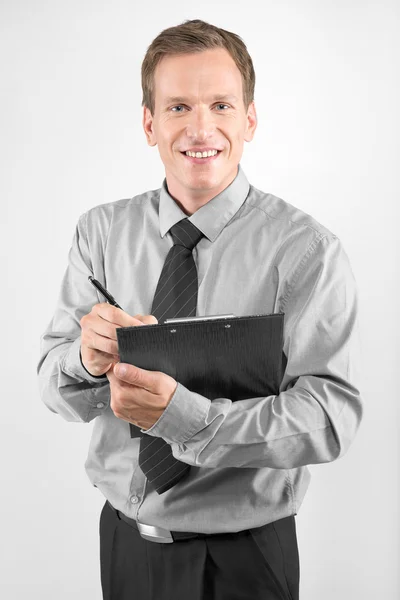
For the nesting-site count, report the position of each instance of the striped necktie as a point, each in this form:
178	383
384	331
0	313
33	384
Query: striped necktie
176	296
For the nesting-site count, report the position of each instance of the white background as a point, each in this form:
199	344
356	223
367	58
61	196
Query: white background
327	96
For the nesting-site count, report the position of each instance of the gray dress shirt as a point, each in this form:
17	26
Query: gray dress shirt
260	255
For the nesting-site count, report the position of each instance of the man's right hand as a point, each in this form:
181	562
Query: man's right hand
99	346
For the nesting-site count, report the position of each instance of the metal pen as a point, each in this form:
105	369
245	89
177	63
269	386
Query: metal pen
104	292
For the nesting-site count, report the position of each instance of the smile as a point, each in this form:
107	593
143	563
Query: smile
198	161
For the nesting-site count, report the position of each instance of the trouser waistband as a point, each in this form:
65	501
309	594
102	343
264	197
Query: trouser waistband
153	533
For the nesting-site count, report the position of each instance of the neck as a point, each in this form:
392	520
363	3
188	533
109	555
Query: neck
191	199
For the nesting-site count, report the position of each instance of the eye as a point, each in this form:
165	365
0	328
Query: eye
181	106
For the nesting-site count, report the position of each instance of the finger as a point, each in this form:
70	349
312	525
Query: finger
100	326
136	376
101	344
110	373
115	315
149	319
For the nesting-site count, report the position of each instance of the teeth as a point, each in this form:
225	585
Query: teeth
201	154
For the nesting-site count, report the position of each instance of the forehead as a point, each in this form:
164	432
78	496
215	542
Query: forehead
202	73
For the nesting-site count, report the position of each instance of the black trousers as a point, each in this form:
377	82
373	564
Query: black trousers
256	564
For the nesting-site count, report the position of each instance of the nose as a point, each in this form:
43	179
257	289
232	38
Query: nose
200	125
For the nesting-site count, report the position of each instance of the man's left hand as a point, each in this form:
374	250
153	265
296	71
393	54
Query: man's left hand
139	396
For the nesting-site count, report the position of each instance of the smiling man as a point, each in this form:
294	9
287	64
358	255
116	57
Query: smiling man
201	494
200	124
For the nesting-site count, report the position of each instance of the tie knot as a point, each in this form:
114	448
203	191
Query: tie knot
184	233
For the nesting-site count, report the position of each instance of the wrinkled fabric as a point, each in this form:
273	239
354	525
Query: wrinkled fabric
249	458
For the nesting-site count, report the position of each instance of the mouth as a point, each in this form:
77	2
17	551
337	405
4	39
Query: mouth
200	161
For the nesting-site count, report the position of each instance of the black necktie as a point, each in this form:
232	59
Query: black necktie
176	296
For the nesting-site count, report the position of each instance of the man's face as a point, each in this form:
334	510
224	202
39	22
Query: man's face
199	105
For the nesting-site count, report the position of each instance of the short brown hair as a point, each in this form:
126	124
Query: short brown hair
190	37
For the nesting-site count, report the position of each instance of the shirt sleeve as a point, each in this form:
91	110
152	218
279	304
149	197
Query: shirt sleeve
317	412
65	386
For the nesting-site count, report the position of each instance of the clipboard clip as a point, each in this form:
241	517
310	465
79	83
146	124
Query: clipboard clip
205	318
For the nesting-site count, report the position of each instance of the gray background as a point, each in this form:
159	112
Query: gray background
327	96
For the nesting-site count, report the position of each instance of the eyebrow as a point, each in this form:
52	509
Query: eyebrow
179	99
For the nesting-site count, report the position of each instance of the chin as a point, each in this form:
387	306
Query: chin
204	184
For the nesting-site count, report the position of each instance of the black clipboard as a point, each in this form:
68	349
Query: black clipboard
217	357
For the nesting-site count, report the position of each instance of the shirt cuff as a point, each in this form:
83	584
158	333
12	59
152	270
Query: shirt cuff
73	364
184	416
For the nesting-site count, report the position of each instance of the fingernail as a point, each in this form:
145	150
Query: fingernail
121	369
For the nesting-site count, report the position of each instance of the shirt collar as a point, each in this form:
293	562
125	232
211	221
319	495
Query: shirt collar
213	216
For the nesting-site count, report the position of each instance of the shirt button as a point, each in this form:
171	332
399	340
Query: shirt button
100	405
134	499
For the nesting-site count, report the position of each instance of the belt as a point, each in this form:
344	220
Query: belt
159	534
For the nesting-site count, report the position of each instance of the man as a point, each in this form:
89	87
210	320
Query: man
223	526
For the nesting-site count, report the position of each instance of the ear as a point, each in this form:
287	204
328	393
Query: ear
251	124
148	127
